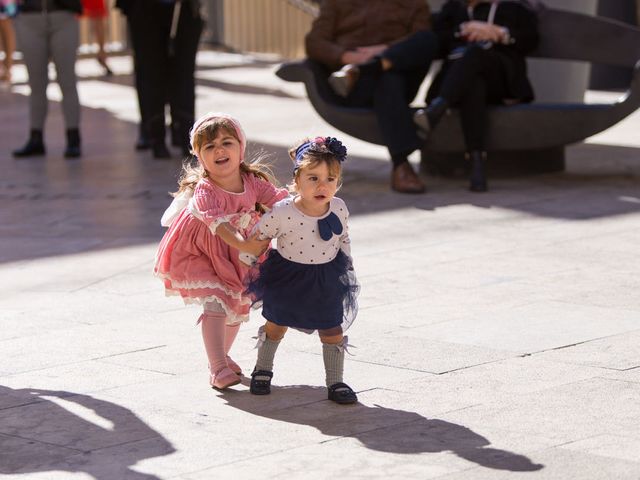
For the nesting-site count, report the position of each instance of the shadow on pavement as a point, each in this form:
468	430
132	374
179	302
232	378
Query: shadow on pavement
45	430
377	428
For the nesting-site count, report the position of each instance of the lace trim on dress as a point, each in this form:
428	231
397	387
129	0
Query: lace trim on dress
204	284
232	317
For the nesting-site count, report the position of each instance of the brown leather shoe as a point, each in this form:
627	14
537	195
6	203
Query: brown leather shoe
343	80
405	180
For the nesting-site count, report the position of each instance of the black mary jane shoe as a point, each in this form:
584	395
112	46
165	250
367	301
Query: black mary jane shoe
261	382
342	393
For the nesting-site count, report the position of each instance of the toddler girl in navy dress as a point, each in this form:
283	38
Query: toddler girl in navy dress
308	282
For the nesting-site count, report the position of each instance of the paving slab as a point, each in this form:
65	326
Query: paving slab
565	413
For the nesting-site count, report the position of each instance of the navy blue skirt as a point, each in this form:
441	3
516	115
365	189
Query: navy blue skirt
307	297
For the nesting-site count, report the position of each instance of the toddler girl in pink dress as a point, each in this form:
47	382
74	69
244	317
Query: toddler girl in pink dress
199	257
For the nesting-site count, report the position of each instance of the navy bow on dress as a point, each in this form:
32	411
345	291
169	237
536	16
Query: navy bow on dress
328	226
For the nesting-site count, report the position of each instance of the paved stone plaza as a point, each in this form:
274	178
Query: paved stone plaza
498	334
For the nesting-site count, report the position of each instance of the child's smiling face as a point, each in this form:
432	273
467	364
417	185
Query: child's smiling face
316	185
221	157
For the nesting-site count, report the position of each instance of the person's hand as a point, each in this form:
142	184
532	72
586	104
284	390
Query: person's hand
362	54
372	50
477	31
254	245
354	57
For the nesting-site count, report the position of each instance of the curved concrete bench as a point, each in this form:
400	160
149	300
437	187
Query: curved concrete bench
538	127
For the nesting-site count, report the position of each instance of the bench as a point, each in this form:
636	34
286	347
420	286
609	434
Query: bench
535	133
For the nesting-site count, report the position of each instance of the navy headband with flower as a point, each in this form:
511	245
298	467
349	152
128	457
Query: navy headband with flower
325	145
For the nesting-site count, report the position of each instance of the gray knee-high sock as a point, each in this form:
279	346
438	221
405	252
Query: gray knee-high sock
333	357
266	354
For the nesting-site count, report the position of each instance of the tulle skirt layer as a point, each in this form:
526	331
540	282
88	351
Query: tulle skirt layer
305	296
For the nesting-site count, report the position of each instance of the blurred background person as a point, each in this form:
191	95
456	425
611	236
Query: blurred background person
96	13
485	44
48	29
165	35
382	50
7	36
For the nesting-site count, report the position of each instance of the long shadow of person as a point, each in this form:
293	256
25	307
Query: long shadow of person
46	430
378	428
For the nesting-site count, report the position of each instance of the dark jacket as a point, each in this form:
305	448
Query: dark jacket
522	23
347	24
27	6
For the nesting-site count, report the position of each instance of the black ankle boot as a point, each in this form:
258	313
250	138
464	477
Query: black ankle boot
73	143
436	109
143	142
156	129
180	133
160	150
427	118
478	178
33	147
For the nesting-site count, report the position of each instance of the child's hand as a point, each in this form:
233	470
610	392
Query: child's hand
254	245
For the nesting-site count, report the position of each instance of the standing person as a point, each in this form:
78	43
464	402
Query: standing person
209	220
96	12
308	282
385	51
485	44
49	29
8	10
142	142
165	36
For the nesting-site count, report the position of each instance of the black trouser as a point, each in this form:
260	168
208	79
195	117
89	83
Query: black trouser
136	77
390	92
162	75
471	83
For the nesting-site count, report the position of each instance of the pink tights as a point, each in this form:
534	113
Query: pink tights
218	338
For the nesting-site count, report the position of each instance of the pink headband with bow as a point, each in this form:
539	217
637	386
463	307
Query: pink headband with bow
213	115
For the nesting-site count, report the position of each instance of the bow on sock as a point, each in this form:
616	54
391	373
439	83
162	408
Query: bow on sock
328	226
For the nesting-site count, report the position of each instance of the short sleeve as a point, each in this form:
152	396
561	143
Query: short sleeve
266	193
208	207
345	241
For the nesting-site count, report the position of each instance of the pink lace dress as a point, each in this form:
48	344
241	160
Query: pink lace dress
198	265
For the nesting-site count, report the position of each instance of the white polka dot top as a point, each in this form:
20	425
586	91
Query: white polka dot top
298	234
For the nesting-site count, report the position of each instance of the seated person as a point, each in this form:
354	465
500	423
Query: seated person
385	50
484	44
